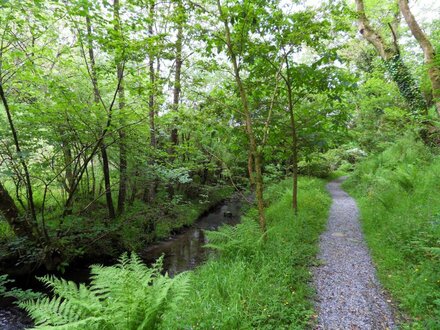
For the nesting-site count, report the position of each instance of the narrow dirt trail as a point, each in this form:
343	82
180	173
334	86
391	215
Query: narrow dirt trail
348	293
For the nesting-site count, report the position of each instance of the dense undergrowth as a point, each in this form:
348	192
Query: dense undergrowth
250	283
398	193
258	284
91	235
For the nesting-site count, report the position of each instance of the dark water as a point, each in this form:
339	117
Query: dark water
185	251
181	252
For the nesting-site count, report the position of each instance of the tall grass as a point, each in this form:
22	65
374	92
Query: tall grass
398	192
255	283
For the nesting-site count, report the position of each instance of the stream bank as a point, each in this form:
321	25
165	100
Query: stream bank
183	251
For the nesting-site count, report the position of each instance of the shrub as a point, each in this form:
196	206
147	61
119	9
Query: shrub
318	167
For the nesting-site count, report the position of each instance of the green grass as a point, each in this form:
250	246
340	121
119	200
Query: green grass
257	284
398	193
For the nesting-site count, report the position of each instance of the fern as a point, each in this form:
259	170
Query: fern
128	295
236	240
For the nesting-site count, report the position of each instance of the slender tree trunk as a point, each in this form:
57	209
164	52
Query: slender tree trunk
294	149
178	69
107	183
151	103
102	147
428	50
93	190
122	135
248	120
68	160
177	87
28	183
250	165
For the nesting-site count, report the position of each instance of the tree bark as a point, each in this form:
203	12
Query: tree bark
428	51
390	53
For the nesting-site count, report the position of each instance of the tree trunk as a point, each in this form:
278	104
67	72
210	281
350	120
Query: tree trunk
68	160
178	70
251	171
107	183
10	212
390	53
97	100
121	98
28	183
151	103
428	51
248	120
294	149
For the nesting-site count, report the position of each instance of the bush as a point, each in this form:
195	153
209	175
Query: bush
398	194
318	167
340	159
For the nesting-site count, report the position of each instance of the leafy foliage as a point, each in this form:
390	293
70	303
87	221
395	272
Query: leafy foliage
128	295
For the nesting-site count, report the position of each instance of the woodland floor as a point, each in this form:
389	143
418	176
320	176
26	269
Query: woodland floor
349	295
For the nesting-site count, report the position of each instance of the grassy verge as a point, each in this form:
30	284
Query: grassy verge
398	193
257	284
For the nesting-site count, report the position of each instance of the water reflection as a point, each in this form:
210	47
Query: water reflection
185	251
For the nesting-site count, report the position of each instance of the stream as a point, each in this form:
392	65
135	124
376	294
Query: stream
182	252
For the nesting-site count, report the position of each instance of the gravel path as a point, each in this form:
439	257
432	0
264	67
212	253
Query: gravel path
348	293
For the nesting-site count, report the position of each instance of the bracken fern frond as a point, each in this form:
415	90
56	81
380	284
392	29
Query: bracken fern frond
125	296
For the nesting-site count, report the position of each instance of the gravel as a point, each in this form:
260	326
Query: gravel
13	318
348	293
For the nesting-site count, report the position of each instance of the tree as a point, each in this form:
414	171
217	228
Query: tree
180	19
119	58
390	53
98	102
431	60
8	206
234	47
10	211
